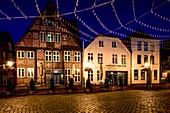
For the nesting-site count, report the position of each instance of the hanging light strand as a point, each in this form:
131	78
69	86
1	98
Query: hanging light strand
158	15
144	24
16	6
80	20
7	17
102	24
37	7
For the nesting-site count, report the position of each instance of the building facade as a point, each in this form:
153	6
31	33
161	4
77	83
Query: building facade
6	54
109	58
144	49
50	48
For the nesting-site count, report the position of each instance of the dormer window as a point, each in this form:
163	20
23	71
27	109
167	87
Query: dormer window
101	44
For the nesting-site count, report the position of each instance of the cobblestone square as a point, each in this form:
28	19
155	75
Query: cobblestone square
128	101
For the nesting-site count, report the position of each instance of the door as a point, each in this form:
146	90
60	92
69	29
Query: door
57	78
48	77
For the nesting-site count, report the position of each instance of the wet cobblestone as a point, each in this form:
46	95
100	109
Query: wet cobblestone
129	101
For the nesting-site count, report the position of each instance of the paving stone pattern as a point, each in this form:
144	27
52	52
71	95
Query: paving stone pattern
129	101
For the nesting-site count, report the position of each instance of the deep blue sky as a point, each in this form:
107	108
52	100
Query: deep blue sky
148	22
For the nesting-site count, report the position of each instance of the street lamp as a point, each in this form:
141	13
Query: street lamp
148	76
10	63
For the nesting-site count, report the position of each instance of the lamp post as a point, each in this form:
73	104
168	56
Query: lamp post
148	76
88	68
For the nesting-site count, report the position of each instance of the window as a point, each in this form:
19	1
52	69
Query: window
114	59
50	37
77	56
3	54
142	75
90	75
90	56
151	59
152	46
77	75
123	59
48	56
67	56
101	44
58	37
155	74
9	46
21	72
135	74
139	46
20	54
98	76
138	59
30	72
30	54
67	75
145	58
114	44
100	58
145	46
42	36
56	56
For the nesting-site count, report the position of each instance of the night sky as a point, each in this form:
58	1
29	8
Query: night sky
113	17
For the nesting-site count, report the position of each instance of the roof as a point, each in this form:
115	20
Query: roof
140	34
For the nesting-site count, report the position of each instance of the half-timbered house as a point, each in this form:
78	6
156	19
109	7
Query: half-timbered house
50	48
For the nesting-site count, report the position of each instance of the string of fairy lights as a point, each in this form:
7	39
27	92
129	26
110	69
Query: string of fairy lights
158	15
130	29
97	18
15	5
144	24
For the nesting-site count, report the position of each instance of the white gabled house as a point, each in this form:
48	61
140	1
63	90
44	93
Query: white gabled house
144	49
109	58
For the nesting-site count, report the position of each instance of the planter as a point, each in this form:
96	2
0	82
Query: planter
8	93
31	92
87	90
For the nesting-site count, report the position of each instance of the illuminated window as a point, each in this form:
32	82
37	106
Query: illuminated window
20	54
135	74
30	54
48	56
77	75
42	36
67	75
50	37
30	72
56	56
20	72
77	56
67	56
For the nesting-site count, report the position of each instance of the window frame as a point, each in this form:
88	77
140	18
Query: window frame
90	57
67	57
77	56
114	59
48	56
56	56
67	72
136	75
58	37
145	46
101	43
100	58
50	37
22	72
139	59
42	36
32	71
20	54
31	53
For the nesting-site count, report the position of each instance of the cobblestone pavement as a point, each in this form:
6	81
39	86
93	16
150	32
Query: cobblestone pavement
128	101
